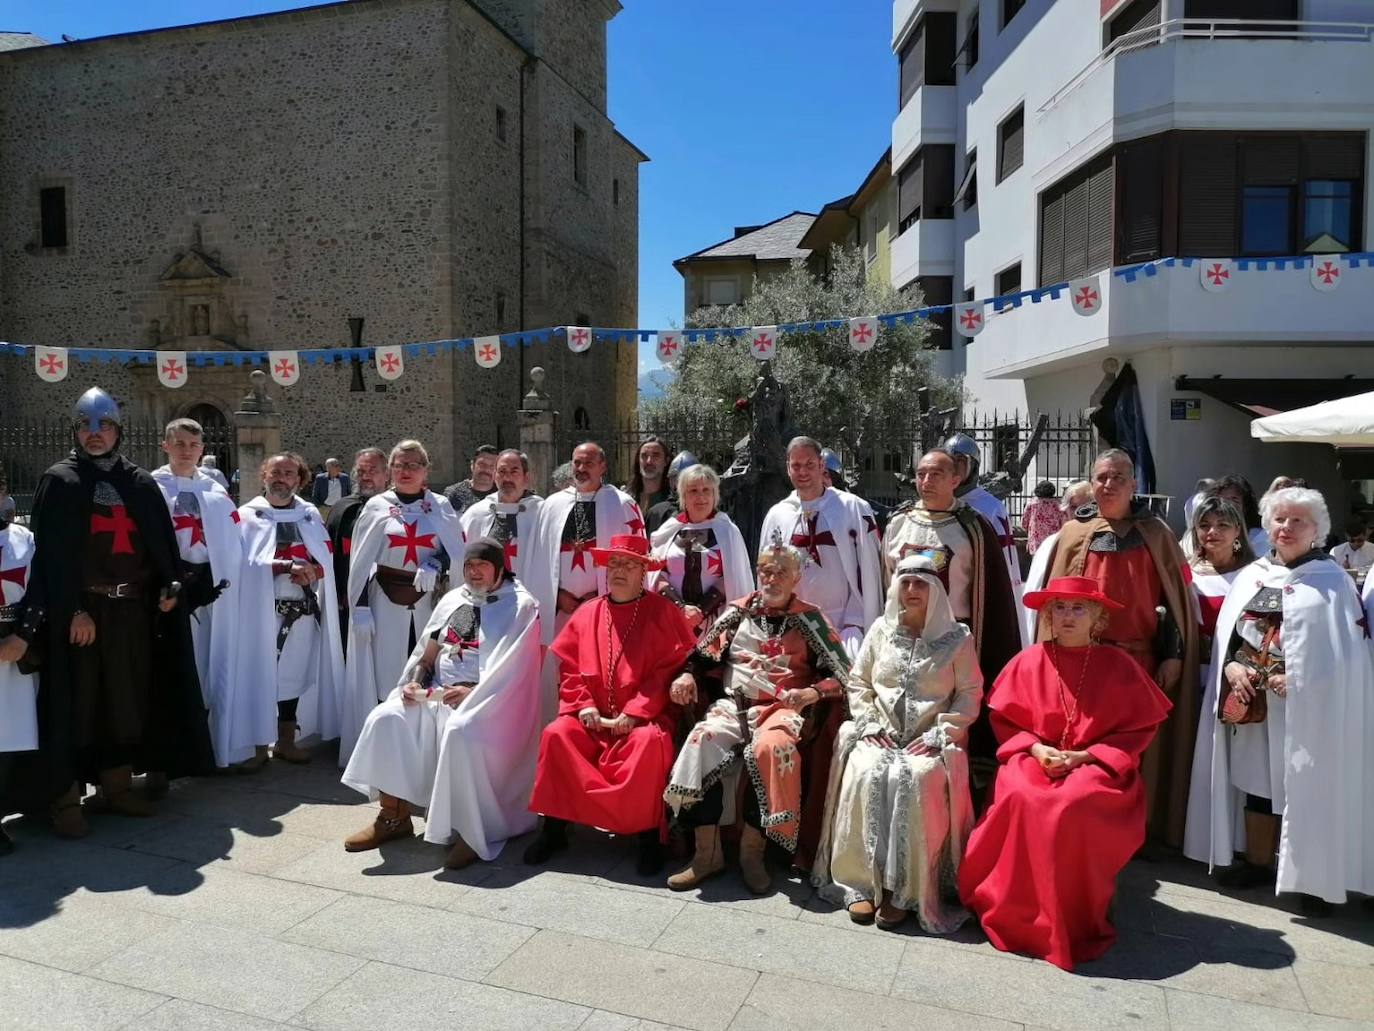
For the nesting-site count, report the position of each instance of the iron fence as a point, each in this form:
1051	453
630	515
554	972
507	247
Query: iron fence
29	447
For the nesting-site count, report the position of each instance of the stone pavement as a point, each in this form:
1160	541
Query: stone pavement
237	907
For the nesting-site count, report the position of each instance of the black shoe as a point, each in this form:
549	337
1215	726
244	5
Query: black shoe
552	839
650	859
1242	874
1315	908
6	843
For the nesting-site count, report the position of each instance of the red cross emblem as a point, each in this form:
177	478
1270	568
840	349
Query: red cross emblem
172	370
579	551
715	563
390	362
970	319
579	337
1218	274
810	541
1329	272
119	525
292	550
487	352
14	576
1086	298
234	515
872	524
192	523
635	524
509	551
285	369
52	364
451	638
763	342
668	345
862	331
412	540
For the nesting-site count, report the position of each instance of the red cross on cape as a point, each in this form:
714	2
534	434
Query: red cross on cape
119	525
809	540
412	541
193	523
15	576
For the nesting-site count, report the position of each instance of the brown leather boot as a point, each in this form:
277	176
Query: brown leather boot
890	917
460	854
752	846
68	821
254	764
707	860
117	794
861	912
286	747
392	823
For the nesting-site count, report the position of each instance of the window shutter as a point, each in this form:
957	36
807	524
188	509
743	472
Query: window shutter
1100	207
1076	228
913	58
937	163
1335	157
1141	167
941	30
1011	143
909	190
1052	238
1270	160
1207	196
939	290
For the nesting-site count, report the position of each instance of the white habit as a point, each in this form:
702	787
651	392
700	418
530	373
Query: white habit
722	557
506	523
18	717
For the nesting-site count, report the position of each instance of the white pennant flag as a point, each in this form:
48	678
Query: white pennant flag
969	319
390	362
1086	295
487	351
171	368
863	333
669	344
763	342
285	367
1216	274
1326	272
50	363
579	338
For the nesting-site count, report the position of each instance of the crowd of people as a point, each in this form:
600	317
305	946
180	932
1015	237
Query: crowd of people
888	709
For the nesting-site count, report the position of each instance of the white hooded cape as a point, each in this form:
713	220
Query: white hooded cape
18	691
230	717
738	581
1326	846
256	675
476	520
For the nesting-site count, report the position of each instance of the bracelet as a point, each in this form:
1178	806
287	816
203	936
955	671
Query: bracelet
79	612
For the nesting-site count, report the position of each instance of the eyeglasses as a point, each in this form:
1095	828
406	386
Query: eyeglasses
1069	608
409	467
624	565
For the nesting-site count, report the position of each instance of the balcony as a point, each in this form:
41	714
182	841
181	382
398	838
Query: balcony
1260	308
1190	74
930	116
903	17
925	249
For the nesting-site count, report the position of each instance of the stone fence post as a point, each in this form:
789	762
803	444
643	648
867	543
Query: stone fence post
257	430
536	432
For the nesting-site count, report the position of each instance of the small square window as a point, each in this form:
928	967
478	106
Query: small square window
52	203
1011	143
580	155
615	193
1008	282
500	308
501	123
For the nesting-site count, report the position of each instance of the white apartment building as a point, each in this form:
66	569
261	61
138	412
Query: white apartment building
1039	141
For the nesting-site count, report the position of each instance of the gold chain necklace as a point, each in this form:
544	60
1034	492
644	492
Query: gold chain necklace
613	660
1070	715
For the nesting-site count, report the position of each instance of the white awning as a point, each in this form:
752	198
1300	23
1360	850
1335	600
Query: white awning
1345	422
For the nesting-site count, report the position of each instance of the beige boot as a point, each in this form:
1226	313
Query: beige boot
286	747
391	824
1261	839
117	796
752	846
460	854
707	861
68	821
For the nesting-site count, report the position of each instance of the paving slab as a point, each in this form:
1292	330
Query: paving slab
201	842
80	932
34	996
1337	990
181	1015
791	1004
791	891
404	871
1192	1012
601	1020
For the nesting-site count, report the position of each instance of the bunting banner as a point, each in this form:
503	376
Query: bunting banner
1325	272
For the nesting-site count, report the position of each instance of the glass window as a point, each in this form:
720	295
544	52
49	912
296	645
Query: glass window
722	291
1328	210
1266	218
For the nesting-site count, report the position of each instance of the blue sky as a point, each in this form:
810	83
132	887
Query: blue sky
748	109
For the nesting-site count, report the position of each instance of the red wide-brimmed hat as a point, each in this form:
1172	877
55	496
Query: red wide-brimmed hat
627	545
1077	588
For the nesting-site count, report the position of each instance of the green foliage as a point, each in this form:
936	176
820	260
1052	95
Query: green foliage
830	385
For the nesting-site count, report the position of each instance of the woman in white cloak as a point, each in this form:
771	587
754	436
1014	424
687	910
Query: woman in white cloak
898	809
1301	781
459	735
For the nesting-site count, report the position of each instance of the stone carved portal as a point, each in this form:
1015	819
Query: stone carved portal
196	307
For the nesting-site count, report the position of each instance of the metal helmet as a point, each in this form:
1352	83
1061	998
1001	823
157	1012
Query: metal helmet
94	407
961	445
831	461
683	460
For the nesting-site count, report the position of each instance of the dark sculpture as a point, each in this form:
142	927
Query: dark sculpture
757	478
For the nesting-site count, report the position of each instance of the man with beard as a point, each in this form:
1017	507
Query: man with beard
291	668
1136	561
648	485
18	628
508	516
401	545
478	485
369	479
206	522
118	686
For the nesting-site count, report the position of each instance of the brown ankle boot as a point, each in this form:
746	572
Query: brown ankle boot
253	764
706	862
1261	839
68	821
117	794
752	846
460	854
286	747
392	822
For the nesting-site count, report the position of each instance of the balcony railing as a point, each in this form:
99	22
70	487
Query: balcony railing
1216	29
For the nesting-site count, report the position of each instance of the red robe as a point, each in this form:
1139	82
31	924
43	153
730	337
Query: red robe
593	776
1040	869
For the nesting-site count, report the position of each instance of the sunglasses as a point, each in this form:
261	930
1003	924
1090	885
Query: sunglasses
410	467
1069	608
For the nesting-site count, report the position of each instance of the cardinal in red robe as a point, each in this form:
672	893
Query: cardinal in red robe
1072	719
605	759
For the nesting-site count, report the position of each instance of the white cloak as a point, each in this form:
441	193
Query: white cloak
616	515
18	691
256	676
738	578
477	519
229	721
1326	846
995	512
851	522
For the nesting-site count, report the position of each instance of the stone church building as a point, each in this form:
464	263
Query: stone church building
435	168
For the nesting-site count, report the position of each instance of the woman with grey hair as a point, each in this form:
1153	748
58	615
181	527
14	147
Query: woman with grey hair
705	560
1292	717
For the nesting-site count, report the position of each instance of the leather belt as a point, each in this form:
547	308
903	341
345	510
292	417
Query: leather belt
398	586
114	590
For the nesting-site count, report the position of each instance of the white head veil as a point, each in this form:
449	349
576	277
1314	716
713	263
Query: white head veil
923	566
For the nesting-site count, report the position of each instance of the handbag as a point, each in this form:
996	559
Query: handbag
1236	712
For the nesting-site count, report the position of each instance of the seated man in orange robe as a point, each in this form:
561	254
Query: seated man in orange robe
605	758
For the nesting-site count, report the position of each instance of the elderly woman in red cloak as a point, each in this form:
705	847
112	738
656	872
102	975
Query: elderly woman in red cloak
1072	719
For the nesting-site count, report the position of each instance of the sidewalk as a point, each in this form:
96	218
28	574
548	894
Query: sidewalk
237	907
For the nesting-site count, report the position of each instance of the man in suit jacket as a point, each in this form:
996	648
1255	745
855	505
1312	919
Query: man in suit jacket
330	486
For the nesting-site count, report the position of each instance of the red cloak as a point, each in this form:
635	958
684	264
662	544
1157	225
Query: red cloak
593	776
1040	869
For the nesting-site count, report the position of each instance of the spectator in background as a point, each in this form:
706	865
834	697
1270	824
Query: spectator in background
1284	482
649	483
480	482
209	464
1076	495
1200	490
330	486
561	477
1237	490
1042	516
1357	554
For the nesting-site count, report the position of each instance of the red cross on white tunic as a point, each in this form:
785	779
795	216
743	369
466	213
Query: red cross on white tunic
579	551
289	550
192	523
119	525
412	541
510	550
715	563
810	541
14	576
